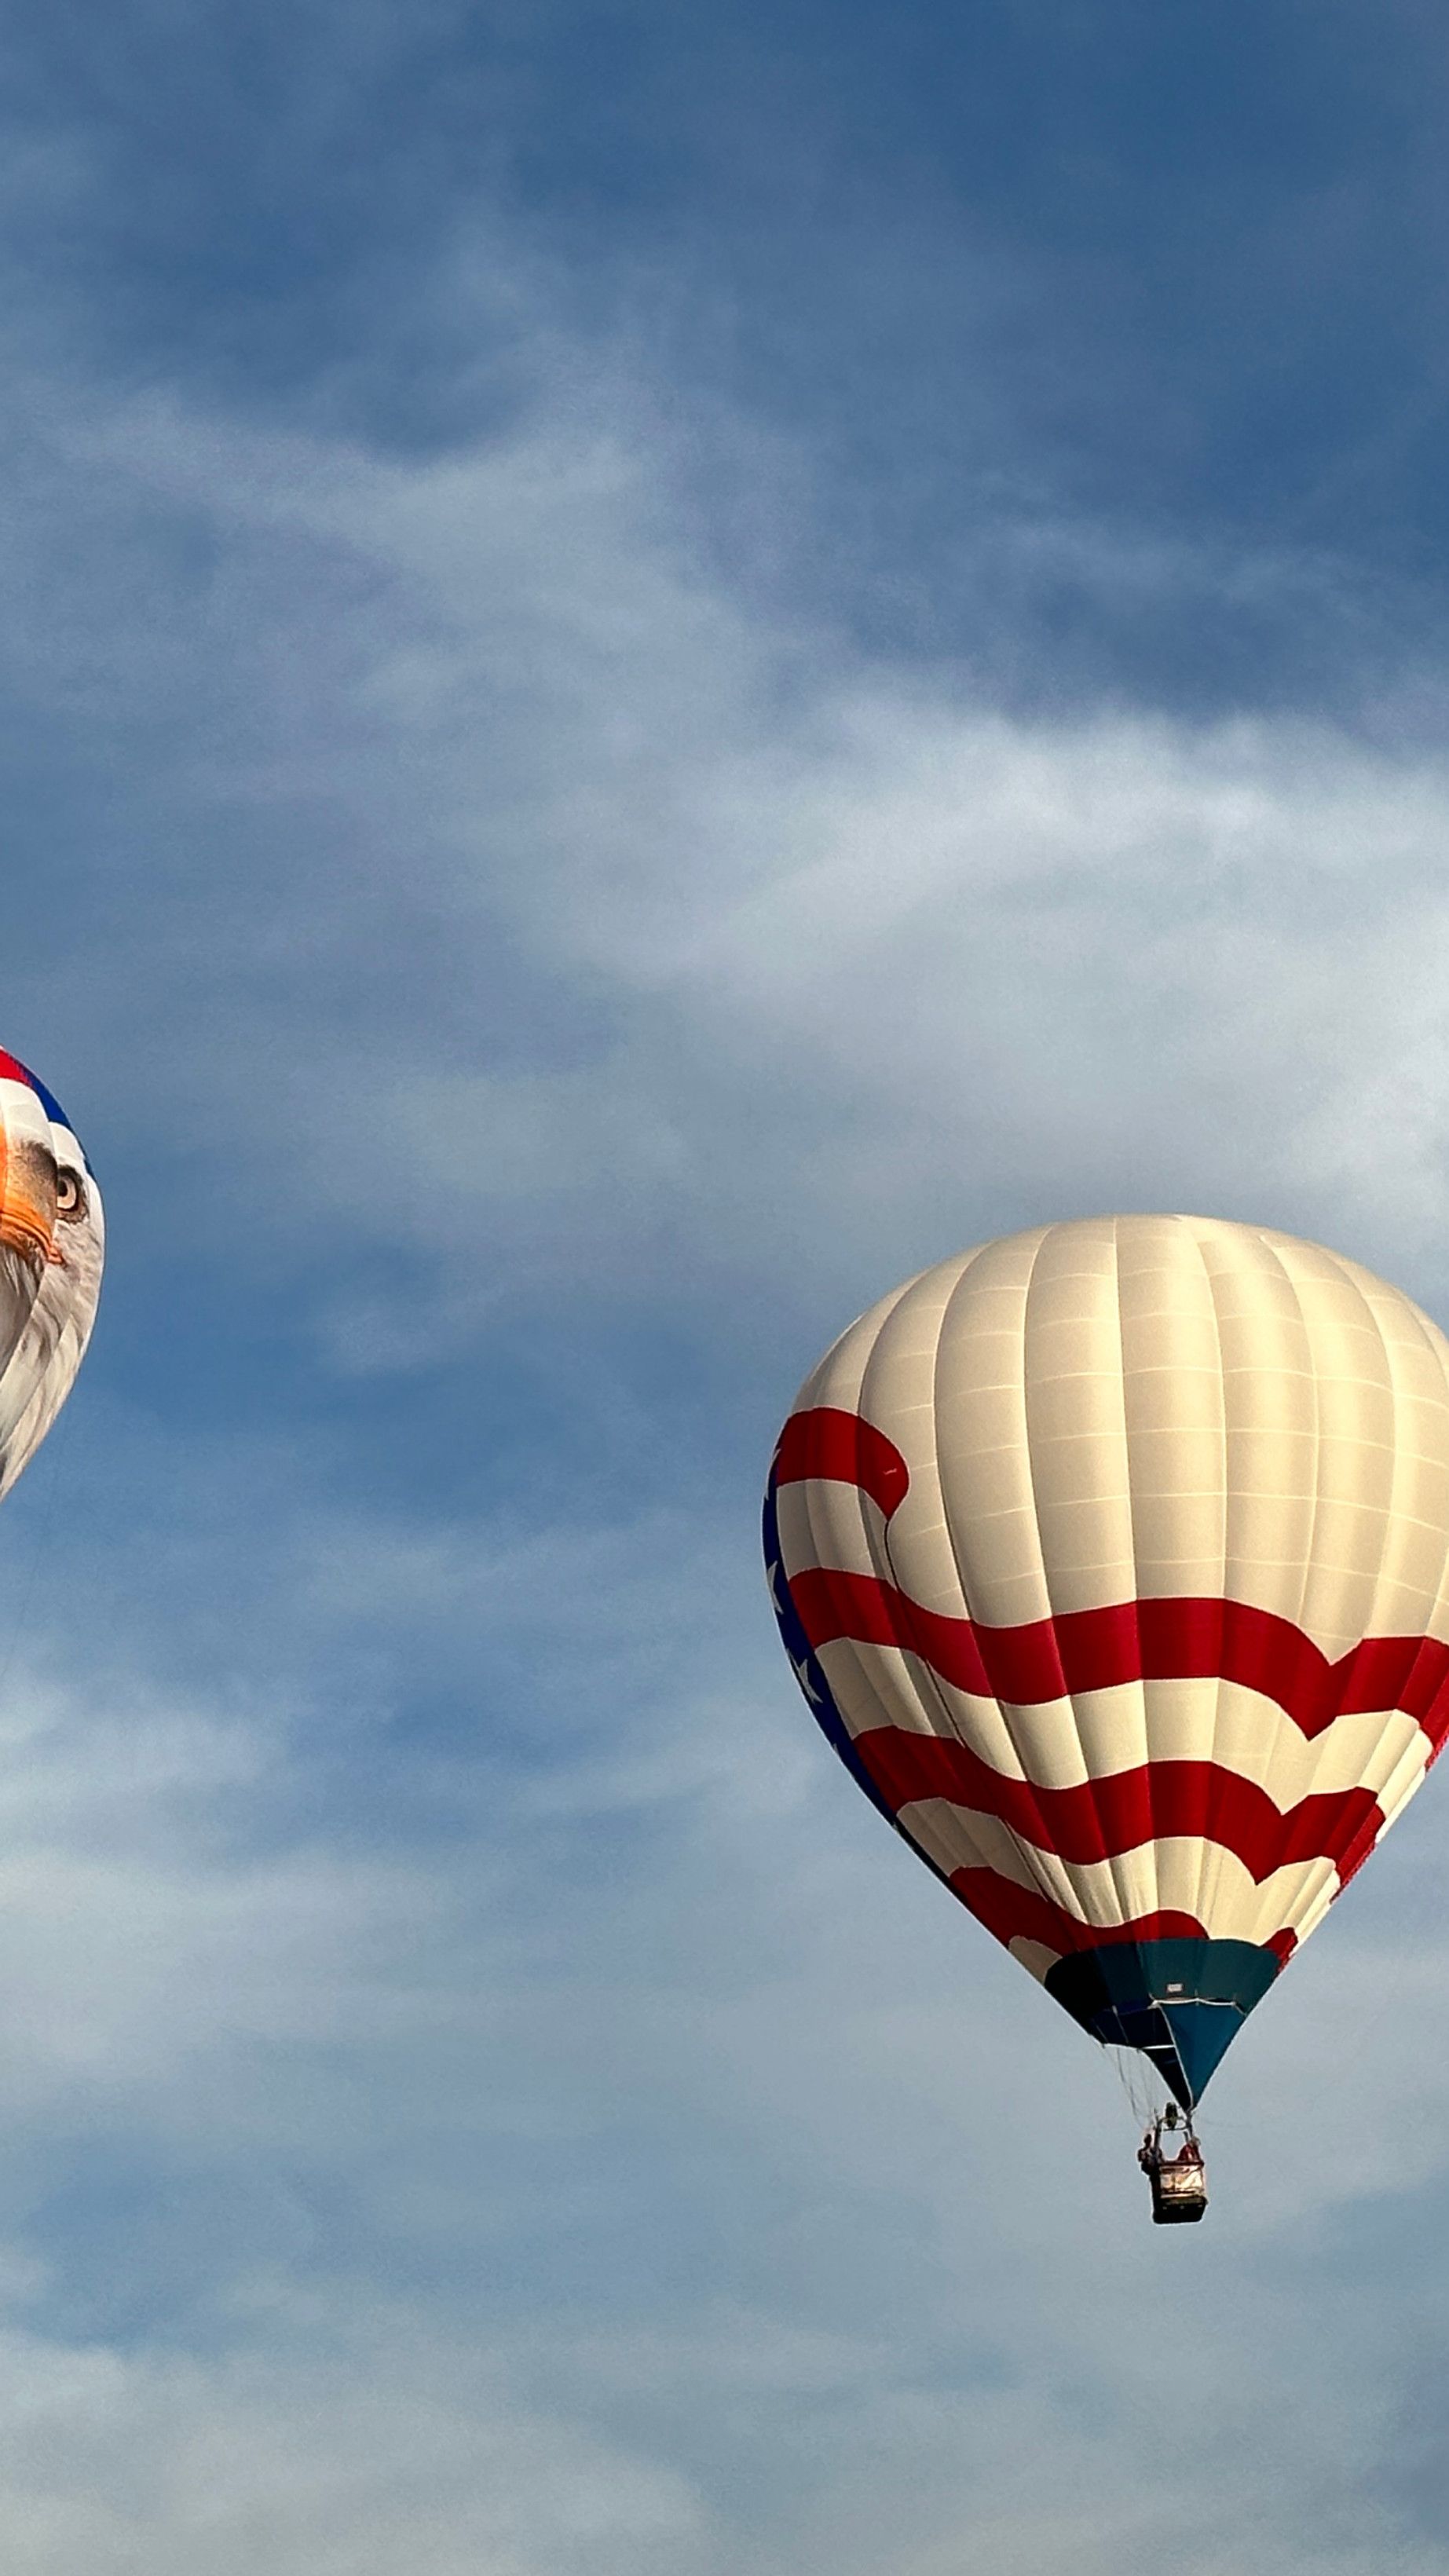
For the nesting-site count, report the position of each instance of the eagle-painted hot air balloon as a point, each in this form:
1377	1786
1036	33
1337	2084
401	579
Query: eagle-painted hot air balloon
52	1246
1113	1559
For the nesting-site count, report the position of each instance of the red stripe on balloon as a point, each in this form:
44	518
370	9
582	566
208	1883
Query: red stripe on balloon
1015	1913
844	1450
1101	1819
1181	1639
1136	1641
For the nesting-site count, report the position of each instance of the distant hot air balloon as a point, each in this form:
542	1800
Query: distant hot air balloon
52	1245
1113	1559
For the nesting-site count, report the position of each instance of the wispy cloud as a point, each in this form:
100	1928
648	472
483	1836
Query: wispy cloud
715	924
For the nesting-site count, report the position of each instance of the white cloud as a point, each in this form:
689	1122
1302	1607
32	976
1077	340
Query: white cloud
711	951
389	2451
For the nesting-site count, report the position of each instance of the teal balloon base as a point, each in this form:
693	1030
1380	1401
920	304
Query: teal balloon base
1181	2002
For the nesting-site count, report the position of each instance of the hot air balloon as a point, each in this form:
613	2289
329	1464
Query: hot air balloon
1113	1559
52	1246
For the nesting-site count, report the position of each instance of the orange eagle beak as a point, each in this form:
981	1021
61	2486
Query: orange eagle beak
27	1206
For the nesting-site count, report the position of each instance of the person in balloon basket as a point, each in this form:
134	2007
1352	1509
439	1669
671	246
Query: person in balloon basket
1152	2160
1179	2183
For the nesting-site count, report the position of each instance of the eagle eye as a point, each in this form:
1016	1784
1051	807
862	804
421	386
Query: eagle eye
70	1194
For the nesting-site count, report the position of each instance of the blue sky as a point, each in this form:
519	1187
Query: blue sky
651	671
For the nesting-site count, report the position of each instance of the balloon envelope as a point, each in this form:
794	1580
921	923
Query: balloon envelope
1113	1558
52	1248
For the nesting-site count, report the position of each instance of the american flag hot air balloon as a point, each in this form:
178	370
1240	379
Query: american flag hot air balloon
1113	1559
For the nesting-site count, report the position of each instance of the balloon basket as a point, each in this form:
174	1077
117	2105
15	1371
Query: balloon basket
1178	2180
